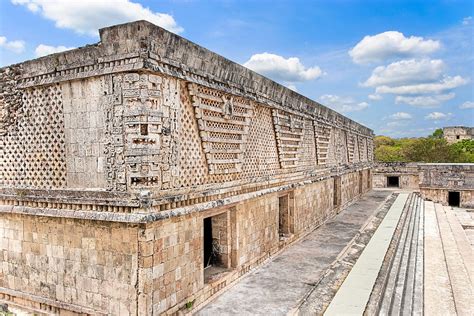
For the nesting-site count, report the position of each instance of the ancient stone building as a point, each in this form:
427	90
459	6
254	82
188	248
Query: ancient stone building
448	184
445	183
144	174
455	134
396	174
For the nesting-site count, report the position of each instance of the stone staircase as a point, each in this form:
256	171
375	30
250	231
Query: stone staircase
431	270
404	284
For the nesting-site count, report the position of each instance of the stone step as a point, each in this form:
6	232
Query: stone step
409	285
398	297
386	304
438	297
457	272
354	293
462	241
418	282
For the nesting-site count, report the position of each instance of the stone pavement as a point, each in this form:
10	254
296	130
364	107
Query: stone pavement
353	295
466	219
429	268
279	286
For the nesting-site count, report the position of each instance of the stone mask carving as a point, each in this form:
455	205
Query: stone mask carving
228	107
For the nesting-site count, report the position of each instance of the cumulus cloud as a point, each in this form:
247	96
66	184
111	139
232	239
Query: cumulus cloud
17	47
43	50
391	44
375	97
467	105
438	116
405	72
447	83
430	101
87	16
282	69
467	20
401	116
342	104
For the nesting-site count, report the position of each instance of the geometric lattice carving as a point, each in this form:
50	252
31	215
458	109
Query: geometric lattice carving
323	137
341	146
350	147
34	156
362	148
289	135
261	154
223	123
370	149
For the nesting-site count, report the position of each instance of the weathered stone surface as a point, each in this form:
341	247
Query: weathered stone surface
112	157
454	134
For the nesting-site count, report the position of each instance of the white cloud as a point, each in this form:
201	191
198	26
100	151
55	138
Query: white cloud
447	83
401	116
467	20
438	116
279	68
467	105
292	87
375	97
425	101
43	50
390	44
342	104
398	123
17	47
87	16
405	72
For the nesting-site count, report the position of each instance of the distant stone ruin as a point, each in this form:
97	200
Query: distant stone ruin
445	183
454	134
144	174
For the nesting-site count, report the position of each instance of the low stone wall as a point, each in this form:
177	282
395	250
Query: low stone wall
407	172
434	180
438	180
105	267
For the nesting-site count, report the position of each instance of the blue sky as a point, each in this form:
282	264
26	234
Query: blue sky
403	68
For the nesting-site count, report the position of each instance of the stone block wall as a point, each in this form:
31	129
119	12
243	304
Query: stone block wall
407	173
80	265
171	270
454	134
437	180
112	155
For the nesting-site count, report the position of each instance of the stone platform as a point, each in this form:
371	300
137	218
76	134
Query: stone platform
372	259
279	286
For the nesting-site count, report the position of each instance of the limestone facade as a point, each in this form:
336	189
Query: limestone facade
435	181
407	173
454	134
118	160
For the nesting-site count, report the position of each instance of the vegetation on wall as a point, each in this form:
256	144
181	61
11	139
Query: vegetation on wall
433	148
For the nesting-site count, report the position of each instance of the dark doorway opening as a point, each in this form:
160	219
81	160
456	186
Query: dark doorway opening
207	242
216	246
337	192
283	218
393	182
454	198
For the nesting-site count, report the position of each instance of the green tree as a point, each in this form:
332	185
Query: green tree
383	140
438	133
464	150
386	153
429	150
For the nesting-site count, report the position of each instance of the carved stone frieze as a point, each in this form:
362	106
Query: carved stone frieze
223	122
